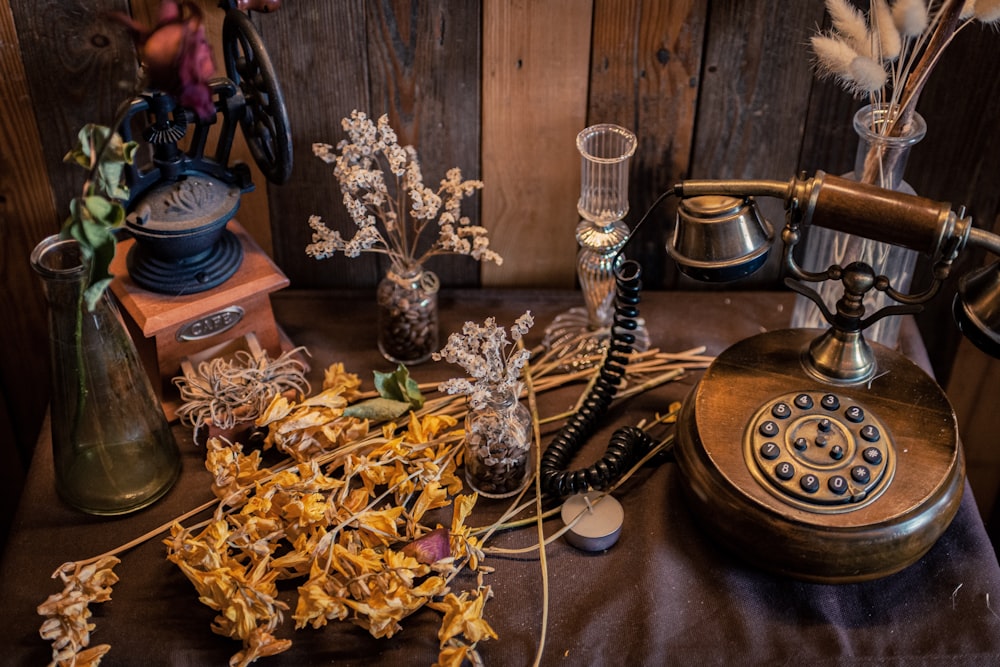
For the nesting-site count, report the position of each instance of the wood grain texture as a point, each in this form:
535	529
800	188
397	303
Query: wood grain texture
27	215
82	66
535	71
644	75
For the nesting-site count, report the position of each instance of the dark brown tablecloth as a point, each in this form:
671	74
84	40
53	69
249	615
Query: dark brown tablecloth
664	594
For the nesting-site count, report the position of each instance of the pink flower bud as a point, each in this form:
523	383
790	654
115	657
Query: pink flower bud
430	548
177	57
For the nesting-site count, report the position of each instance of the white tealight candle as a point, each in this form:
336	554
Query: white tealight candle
599	524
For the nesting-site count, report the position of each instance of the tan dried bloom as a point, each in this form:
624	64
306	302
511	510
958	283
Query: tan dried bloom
67	613
887	43
910	17
987	11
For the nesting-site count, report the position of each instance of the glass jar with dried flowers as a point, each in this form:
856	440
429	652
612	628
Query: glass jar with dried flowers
886	57
499	451
384	193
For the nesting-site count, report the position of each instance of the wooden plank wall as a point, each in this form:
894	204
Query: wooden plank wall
712	88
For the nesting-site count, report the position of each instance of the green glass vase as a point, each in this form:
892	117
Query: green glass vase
112	447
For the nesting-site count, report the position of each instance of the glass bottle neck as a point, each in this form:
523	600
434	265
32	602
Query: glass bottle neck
884	146
59	263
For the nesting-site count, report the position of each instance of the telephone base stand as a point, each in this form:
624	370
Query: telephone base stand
824	482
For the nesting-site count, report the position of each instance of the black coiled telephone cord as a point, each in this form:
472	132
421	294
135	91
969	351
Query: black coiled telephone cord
628	444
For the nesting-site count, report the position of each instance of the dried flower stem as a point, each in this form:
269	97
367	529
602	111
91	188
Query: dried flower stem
542	559
142	539
948	23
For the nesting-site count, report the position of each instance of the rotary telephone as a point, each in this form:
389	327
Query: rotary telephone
809	452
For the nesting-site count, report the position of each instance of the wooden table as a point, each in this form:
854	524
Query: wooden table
664	594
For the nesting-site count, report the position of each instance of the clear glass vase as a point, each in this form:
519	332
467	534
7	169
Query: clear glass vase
880	160
605	153
112	447
605	150
408	314
498	447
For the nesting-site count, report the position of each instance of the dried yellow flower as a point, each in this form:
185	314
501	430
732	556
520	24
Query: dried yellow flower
455	656
464	616
347	384
259	644
244	594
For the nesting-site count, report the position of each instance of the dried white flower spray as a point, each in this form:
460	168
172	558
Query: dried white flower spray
382	186
484	352
904	40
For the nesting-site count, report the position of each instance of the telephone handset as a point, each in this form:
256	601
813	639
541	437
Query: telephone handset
811	453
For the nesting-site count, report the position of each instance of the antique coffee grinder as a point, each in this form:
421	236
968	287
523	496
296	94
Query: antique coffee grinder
192	283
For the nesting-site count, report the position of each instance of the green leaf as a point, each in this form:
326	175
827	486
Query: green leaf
399	386
86	138
109	180
378	409
91	223
95	215
94	292
97	143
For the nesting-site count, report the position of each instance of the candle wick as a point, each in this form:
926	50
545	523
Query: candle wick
590	506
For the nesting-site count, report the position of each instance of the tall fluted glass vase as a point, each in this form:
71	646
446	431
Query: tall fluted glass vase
112	447
605	151
880	160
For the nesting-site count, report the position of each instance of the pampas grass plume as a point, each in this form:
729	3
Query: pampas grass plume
851	24
867	75
910	17
888	44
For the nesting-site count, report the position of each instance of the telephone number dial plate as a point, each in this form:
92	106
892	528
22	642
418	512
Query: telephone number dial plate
821	451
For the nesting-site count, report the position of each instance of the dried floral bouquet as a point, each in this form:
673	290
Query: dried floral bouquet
497	429
348	515
888	55
384	193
